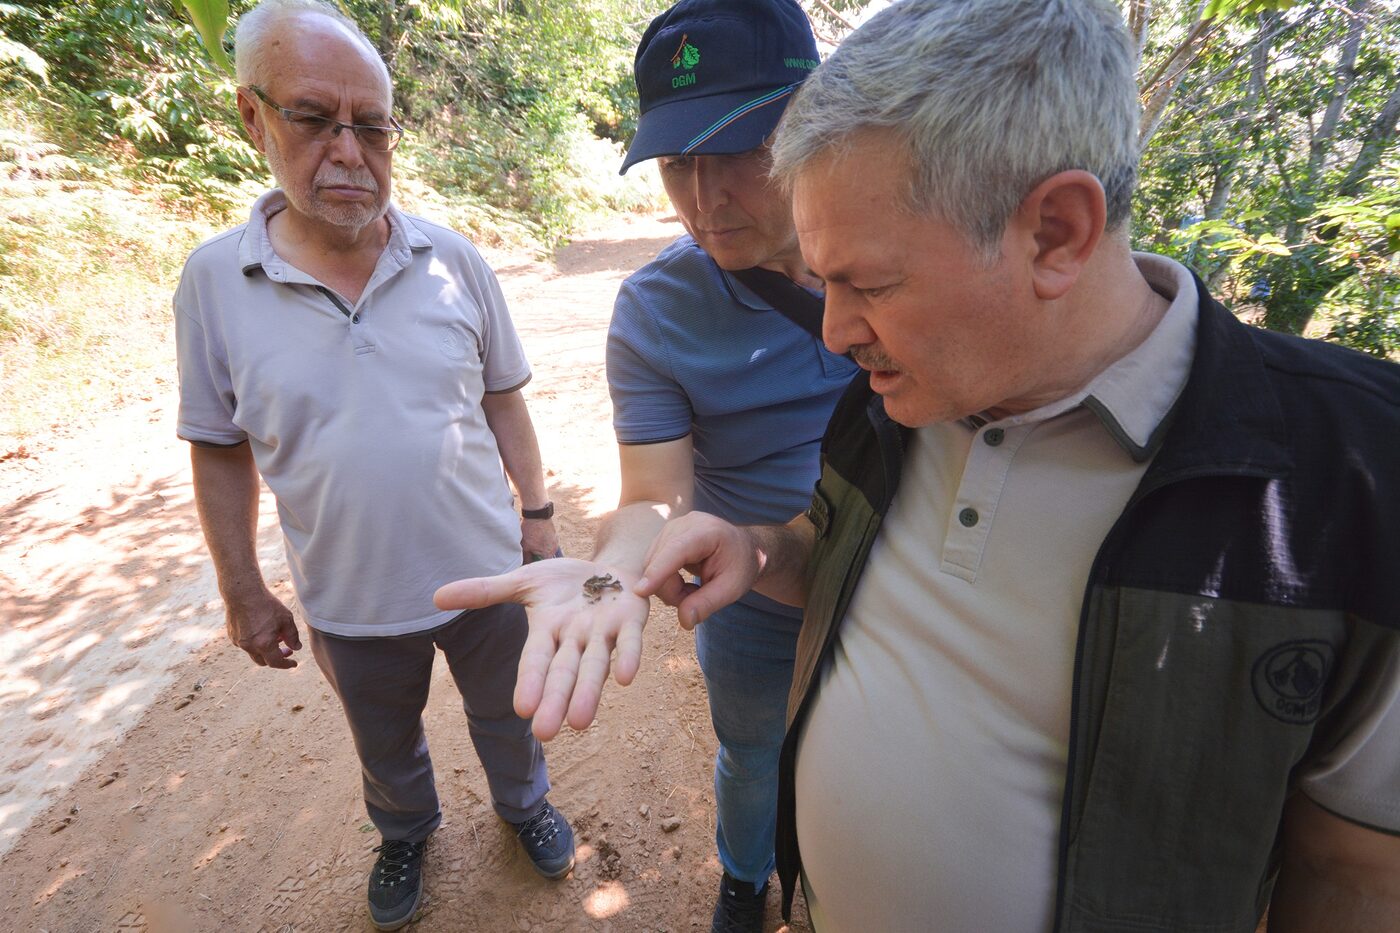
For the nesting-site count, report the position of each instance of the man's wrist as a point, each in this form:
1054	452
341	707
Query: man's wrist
545	511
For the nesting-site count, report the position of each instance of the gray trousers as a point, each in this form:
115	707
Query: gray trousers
383	683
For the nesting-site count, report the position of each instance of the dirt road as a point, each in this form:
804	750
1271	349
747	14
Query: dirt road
153	779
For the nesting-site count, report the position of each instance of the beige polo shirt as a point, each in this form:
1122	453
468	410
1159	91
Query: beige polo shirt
364	420
930	770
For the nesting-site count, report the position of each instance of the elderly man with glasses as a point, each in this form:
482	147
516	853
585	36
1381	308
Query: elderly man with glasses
362	362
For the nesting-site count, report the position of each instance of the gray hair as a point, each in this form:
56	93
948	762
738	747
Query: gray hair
255	27
990	97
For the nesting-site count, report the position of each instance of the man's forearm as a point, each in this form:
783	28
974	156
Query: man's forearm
509	420
783	553
226	496
1337	876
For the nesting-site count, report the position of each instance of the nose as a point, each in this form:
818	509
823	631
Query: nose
711	184
344	149
843	324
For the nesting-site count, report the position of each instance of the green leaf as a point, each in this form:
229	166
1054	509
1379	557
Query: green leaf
210	18
1271	245
1228	8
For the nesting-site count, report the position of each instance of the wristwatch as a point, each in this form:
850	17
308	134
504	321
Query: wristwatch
546	512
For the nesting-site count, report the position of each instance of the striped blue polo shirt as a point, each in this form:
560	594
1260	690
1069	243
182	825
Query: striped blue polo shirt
693	351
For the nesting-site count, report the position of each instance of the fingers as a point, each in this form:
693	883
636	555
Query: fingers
697	606
267	651
629	652
273	651
479	592
535	658
558	688
264	628
592	675
673	590
290	635
672	553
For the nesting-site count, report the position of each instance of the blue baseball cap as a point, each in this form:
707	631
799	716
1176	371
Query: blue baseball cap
713	76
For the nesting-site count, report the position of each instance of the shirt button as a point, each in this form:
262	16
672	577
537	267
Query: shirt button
968	517
994	437
355	319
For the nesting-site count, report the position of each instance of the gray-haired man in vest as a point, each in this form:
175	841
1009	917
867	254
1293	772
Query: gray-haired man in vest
1100	594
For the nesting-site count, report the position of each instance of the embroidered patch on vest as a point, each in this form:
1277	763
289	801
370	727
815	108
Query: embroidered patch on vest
1288	680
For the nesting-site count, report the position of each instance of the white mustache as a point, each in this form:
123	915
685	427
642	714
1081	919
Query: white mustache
335	177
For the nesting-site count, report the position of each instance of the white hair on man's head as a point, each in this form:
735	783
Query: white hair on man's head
990	97
258	25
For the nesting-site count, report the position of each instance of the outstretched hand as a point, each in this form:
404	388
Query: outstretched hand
579	612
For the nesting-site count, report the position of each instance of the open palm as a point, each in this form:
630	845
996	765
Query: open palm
579	611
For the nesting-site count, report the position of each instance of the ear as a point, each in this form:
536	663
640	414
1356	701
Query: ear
252	121
1064	217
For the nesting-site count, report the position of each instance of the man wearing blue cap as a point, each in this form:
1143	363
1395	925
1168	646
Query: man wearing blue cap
719	403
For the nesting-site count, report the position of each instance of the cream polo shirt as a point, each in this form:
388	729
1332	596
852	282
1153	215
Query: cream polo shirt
364	420
931	766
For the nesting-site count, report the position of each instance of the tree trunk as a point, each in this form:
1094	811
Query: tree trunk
1162	84
1139	19
389	32
1378	136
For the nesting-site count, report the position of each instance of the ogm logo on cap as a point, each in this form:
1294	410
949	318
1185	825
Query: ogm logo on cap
687	56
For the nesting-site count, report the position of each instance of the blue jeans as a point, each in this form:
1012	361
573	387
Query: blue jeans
747	657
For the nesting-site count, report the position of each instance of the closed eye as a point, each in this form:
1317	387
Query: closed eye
878	291
308	121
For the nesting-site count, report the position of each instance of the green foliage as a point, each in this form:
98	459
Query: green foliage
498	96
211	19
1220	9
121	147
130	82
502	98
1274	170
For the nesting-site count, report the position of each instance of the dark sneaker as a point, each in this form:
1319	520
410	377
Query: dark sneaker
548	840
739	908
396	883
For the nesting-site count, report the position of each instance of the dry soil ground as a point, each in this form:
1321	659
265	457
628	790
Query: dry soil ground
153	779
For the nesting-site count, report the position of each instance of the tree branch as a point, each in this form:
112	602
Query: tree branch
835	14
1378	136
1346	73
1164	81
1139	18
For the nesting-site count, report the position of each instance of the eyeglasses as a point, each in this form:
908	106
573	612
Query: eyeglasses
316	126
